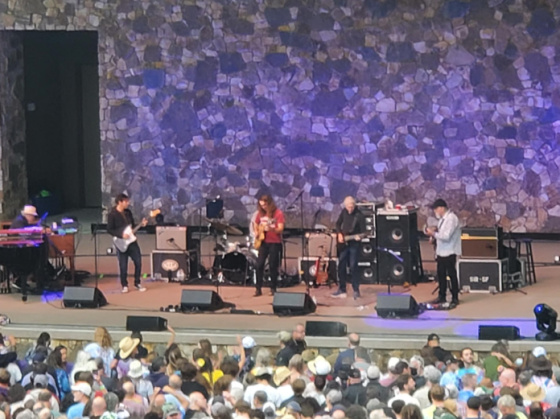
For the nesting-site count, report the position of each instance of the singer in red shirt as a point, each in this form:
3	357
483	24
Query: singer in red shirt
271	220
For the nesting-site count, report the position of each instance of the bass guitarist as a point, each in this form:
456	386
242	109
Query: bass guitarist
350	228
118	220
269	225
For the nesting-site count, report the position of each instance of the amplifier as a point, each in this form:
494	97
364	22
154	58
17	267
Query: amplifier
169	264
171	238
481	275
320	244
481	243
369	209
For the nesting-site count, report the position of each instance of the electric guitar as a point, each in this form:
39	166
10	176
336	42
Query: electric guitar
121	243
348	238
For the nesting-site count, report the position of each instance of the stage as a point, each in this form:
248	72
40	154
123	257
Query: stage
457	327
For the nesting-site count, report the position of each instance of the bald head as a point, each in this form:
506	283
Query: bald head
507	377
198	401
128	388
354	339
175	382
98	406
338	414
159	400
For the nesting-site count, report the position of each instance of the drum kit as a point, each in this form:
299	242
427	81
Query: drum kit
234	261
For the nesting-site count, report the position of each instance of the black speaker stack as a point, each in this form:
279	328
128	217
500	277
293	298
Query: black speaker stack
398	247
367	256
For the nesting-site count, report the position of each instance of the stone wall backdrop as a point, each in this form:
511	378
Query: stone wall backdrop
408	100
13	178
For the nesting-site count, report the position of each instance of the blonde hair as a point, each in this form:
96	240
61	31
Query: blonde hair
103	337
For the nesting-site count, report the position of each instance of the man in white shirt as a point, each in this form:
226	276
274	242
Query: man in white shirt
262	376
448	246
405	387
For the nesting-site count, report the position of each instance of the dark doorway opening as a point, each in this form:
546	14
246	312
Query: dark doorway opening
62	118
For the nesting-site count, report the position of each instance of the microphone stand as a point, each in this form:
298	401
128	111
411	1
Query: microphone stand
171	241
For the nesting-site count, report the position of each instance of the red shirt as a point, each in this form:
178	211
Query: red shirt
278	218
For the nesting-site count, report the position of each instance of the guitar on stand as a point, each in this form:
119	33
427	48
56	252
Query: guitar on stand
121	243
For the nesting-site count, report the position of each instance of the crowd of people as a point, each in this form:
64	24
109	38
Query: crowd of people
255	382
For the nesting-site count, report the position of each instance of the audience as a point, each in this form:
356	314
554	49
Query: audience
300	385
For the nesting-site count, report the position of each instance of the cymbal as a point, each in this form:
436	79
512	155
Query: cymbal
233	231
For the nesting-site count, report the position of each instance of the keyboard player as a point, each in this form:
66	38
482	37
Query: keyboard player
27	218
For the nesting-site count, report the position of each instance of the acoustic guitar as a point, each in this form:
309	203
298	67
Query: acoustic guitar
121	243
321	269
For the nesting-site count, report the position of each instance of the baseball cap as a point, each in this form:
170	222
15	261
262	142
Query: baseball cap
354	373
393	361
373	372
83	388
248	342
338	407
539	351
439	203
433	336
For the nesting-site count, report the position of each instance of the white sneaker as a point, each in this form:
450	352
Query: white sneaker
124	290
140	288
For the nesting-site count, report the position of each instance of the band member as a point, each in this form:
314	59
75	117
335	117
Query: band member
448	245
27	218
270	220
118	220
351	224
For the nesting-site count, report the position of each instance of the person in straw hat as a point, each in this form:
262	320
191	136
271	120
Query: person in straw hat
127	348
28	217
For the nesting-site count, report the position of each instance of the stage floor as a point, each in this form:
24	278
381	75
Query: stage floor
460	324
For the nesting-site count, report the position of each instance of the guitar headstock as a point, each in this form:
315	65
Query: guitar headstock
155	212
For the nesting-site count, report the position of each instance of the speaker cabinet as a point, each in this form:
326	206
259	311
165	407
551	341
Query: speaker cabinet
486	332
171	238
397	267
334	329
168	263
367	272
293	303
397	229
396	305
78	297
146	323
367	251
200	300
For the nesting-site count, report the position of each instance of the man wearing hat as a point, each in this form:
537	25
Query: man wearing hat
447	235
27	218
81	392
355	393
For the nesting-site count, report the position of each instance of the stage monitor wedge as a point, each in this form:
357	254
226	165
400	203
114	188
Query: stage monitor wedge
489	332
146	323
200	300
78	297
396	305
293	304
332	329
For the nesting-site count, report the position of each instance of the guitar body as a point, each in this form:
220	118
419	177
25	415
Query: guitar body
349	238
122	244
259	237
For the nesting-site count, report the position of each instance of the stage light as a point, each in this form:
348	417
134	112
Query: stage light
546	318
557	259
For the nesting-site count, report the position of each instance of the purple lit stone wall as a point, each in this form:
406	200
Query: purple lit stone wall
408	100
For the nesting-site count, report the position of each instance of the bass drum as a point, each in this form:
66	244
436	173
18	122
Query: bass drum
235	267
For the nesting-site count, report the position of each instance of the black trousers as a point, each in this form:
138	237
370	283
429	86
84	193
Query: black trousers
446	266
134	253
348	258
272	251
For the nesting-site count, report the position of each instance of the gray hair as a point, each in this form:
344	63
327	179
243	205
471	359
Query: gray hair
263	358
418	359
506	401
432	374
334	396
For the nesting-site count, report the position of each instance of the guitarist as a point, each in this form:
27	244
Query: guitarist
118	220
351	222
270	223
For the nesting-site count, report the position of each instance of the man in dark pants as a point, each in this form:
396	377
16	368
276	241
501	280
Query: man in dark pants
448	246
350	226
270	221
118	220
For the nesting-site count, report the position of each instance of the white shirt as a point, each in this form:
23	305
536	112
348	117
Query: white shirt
271	392
448	235
406	398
